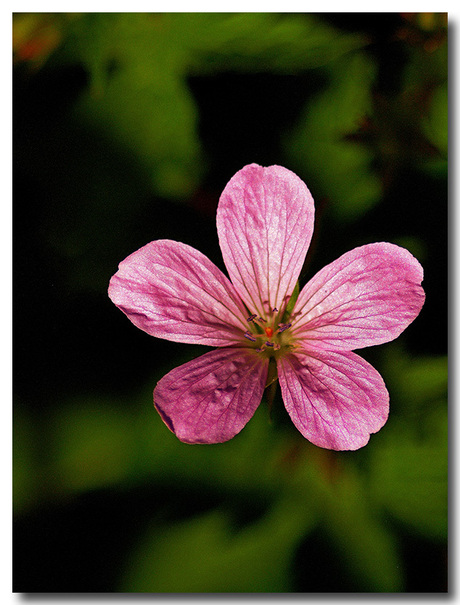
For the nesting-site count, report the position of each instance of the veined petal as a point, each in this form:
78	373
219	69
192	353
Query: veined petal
335	399
172	291
265	223
210	399
366	297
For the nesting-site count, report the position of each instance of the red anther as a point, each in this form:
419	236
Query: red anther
269	332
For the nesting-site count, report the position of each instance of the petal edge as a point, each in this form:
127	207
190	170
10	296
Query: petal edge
335	399
171	290
366	297
265	223
210	399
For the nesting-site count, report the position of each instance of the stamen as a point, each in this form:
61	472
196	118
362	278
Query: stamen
262	319
282	327
250	336
252	317
275	310
277	346
269	344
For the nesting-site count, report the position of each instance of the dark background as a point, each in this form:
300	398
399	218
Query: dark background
126	128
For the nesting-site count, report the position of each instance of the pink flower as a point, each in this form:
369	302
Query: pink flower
366	297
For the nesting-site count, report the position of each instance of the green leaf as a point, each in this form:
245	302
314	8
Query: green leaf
139	97
206	554
292	301
139	64
98	442
424	379
409	475
409	468
435	125
366	546
414	381
91	445
255	42
338	168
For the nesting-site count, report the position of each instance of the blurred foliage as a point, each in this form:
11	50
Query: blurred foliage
214	557
96	444
344	171
138	65
126	128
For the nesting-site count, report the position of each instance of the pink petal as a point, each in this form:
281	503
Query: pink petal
366	297
173	291
265	223
335	399
210	399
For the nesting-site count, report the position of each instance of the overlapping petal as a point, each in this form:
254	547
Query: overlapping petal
335	399
265	223
366	297
210	399
172	291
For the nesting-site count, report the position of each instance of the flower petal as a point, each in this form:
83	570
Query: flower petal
366	297
173	291
210	399
265	223
335	399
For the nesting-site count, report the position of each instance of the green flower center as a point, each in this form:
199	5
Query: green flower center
270	336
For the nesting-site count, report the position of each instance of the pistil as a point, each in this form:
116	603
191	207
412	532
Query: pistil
267	332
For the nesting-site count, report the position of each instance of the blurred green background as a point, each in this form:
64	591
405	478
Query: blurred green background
126	129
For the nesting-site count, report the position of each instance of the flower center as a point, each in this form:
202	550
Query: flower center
269	334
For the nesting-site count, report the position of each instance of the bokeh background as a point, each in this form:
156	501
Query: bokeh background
126	129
